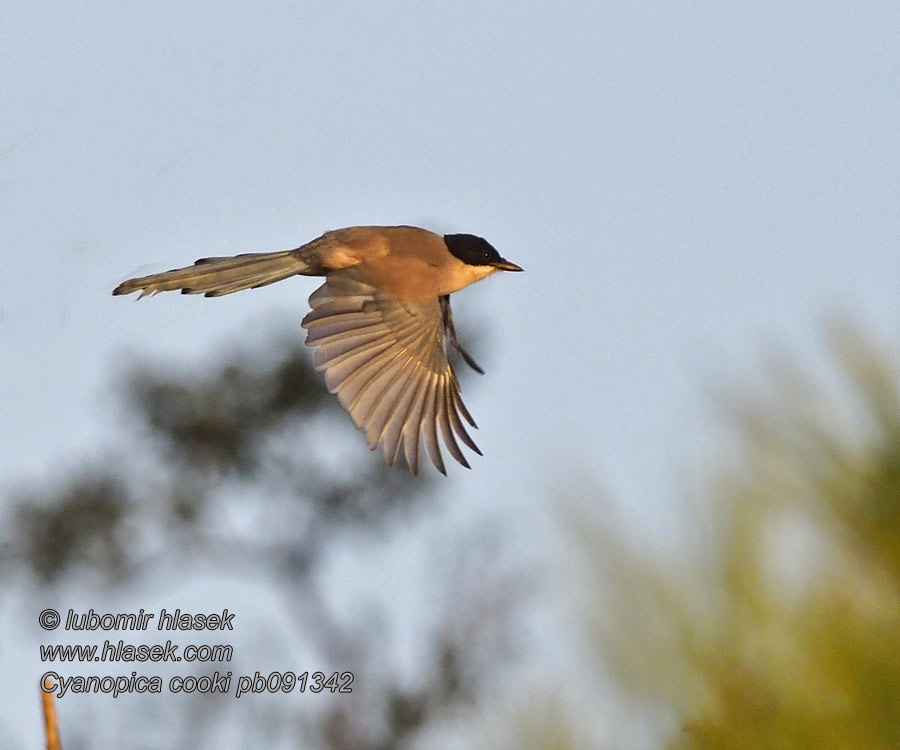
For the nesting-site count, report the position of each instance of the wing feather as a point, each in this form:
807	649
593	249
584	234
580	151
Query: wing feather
387	363
458	427
443	418
388	408
371	394
393	433
413	422
429	424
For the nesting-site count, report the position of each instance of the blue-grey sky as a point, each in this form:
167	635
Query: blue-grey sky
686	185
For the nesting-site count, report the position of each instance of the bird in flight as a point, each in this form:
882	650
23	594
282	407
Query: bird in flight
379	324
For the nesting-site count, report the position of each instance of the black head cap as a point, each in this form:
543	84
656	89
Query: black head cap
477	251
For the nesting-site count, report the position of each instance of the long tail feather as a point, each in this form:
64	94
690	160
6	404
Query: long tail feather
217	276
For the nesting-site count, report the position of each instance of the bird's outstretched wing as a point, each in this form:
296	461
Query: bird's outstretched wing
387	364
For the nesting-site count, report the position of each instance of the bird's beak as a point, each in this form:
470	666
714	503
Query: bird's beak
505	265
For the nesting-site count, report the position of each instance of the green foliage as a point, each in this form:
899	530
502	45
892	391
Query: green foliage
82	523
253	422
781	628
219	420
250	468
770	621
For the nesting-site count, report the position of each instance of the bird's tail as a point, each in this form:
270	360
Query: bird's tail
217	276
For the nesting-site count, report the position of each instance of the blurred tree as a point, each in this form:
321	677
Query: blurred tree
776	622
252	422
772	621
257	431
